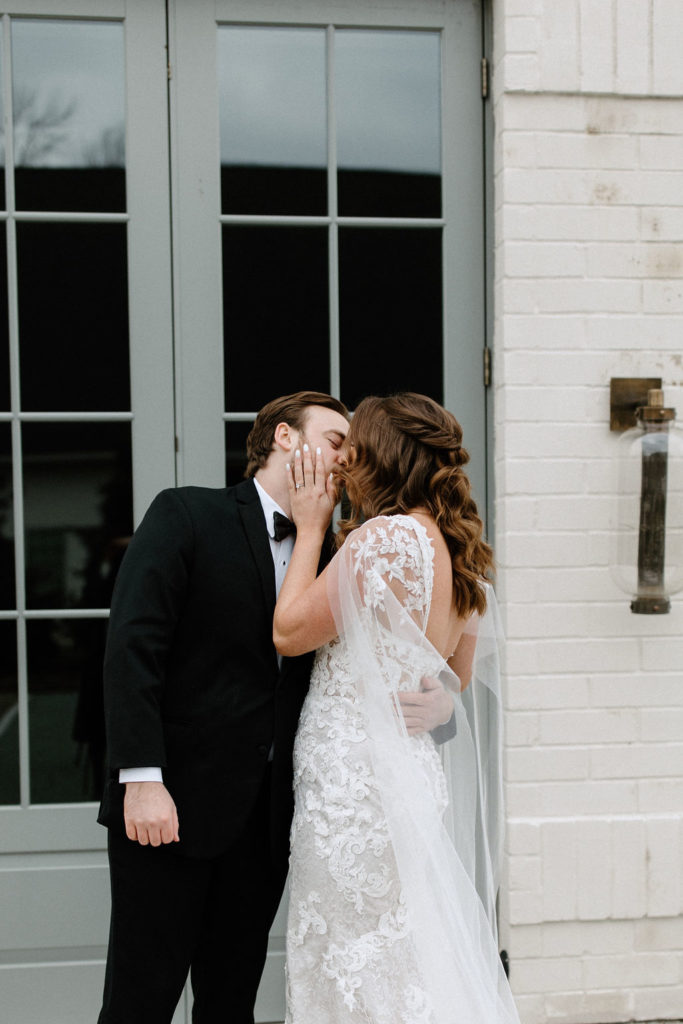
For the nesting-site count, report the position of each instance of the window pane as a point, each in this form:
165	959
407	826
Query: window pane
236	451
7	598
74	340
66	730
275	313
273	120
9	720
390	312
78	510
68	105
388	109
3	202
4	326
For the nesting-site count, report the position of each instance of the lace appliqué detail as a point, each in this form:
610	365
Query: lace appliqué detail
350	955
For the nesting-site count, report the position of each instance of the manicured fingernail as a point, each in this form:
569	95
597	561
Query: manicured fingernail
288	467
305	447
318	451
297	454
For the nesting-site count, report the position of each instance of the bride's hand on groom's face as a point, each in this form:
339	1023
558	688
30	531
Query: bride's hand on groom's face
312	492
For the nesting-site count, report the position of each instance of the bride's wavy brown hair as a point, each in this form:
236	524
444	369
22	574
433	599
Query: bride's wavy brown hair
405	452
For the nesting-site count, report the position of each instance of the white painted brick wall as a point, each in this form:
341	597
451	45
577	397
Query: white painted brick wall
588	227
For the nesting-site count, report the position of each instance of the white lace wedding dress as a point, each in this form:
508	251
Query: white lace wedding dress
385	924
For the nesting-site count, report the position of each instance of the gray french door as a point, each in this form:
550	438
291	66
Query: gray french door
204	203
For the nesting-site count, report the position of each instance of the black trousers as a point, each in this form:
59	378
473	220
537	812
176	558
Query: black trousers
172	914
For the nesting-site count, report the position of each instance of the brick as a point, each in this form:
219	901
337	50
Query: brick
521	729
634	331
661	724
600	938
521	72
666	47
559	51
522	35
633	46
522	801
663	1002
525	476
547	405
635	689
531	1008
616	725
667	655
548	692
661	934
522	837
661	152
572	150
572	798
524	908
543	975
663	297
628	878
578	223
524	874
637	761
559	856
594	869
543	259
525	941
540	764
648	260
664	866
661	223
597	49
596	1007
629	972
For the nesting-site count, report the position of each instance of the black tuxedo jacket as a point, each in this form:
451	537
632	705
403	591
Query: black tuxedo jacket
191	679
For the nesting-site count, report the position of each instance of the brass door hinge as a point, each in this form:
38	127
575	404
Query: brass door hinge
487	367
484	78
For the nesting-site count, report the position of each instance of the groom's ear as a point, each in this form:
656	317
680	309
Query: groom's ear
284	437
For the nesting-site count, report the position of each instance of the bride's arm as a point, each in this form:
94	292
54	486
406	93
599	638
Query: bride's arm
303	618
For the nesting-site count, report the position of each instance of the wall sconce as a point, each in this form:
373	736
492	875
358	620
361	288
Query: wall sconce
647	548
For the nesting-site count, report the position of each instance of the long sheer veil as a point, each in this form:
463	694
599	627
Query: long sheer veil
448	863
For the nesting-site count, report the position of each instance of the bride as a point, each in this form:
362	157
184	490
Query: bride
395	842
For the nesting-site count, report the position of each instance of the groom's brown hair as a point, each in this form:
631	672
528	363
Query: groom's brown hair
291	409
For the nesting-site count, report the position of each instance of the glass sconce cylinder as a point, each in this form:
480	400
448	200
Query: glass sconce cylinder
647	551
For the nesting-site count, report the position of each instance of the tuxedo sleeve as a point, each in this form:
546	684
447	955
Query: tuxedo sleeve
150	592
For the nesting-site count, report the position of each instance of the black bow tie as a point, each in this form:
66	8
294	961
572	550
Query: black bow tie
282	526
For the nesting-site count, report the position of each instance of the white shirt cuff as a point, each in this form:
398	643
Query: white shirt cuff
140	775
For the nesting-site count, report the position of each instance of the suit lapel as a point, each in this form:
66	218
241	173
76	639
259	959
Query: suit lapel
251	514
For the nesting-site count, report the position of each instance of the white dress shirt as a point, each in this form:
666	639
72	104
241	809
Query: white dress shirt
282	552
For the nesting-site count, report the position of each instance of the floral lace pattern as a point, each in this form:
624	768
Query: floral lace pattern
350	955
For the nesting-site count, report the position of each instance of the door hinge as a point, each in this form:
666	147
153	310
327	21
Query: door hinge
176	443
487	367
168	71
484	78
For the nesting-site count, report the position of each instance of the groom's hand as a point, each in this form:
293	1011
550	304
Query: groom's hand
424	711
150	814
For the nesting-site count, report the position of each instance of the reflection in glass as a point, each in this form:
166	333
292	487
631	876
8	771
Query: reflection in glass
236	451
68	104
3	202
390	312
7	599
273	119
74	341
388	111
9	719
4	326
275	313
66	726
78	510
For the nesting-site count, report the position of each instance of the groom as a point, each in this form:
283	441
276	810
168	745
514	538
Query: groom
201	715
